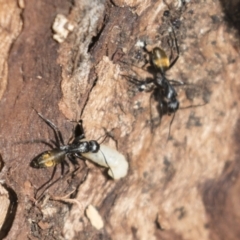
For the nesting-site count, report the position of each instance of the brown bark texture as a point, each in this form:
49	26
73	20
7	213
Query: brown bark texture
182	185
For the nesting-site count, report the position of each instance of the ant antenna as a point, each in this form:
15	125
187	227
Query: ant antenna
55	129
107	164
108	134
193	106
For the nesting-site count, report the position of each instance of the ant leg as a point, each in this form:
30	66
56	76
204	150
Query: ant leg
50	184
56	131
170	126
192	106
170	44
159	109
62	167
176	82
149	53
141	84
36	141
173	62
71	161
79	129
46	183
145	49
78	132
177	48
69	164
132	80
151	117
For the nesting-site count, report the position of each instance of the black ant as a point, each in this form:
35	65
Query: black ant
163	88
164	91
58	155
78	148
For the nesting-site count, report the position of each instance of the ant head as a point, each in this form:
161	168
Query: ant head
93	146
172	106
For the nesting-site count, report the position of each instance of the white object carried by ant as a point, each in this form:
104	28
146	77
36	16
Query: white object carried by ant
109	158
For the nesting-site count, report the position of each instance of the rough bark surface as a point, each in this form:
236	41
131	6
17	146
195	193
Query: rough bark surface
183	188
